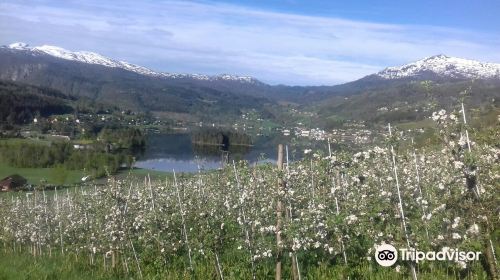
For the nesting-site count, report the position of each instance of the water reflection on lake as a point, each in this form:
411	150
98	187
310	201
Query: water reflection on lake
169	164
167	152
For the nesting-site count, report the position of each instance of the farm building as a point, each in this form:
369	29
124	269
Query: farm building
12	182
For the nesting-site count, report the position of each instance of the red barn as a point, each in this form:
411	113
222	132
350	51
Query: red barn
12	182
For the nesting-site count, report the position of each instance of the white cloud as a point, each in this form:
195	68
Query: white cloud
206	37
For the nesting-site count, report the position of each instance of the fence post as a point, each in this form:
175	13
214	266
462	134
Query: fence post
279	211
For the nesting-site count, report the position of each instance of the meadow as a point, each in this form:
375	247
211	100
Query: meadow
41	176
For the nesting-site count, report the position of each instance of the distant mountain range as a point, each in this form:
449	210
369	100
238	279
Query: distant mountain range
442	66
130	86
398	94
95	58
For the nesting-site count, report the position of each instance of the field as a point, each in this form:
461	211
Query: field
46	175
320	218
51	176
37	176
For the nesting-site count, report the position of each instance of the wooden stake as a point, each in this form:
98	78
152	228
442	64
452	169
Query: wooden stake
279	211
183	222
113	259
289	217
401	211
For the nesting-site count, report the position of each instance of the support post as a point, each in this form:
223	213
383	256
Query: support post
279	210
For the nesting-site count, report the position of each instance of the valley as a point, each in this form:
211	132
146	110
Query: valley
135	173
77	96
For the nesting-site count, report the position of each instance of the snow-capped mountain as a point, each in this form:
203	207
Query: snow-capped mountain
443	67
95	58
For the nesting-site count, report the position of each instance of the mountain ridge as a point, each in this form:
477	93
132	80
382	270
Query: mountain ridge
433	67
95	58
101	79
443	66
114	86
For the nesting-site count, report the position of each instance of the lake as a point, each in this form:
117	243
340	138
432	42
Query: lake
167	152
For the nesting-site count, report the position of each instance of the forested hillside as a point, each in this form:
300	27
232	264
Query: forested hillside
20	104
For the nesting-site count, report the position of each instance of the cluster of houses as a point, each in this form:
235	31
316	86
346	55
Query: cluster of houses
315	133
354	134
82	119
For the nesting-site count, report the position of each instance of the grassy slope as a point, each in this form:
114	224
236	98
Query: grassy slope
49	175
35	175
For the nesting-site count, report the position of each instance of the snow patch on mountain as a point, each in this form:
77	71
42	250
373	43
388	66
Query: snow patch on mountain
444	66
18	46
95	58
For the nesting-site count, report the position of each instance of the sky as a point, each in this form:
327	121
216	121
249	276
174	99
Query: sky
292	42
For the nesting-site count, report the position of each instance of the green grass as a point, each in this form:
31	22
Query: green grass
25	141
137	174
50	175
425	123
35	175
21	266
140	173
17	266
83	141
